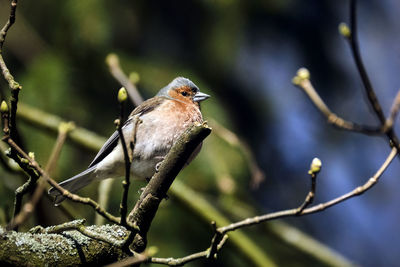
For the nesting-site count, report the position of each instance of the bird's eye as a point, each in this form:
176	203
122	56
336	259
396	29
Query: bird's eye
184	93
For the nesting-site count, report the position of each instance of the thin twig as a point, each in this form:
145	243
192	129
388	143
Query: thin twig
14	86
128	161
19	194
33	176
373	100
146	258
49	122
127	157
131	261
257	175
63	131
314	170
9	23
393	113
360	65
29	207
104	190
189	258
112	61
316	208
302	80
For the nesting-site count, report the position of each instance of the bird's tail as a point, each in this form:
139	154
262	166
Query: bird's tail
73	184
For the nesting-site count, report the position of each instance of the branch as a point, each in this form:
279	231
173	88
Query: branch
33	176
51	247
147	258
257	175
128	156
388	126
112	61
9	23
156	190
29	207
353	39
189	258
351	35
302	80
78	136
78	225
317	208
104	190
315	168
14	86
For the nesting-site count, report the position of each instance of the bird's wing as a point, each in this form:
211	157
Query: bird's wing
108	146
148	105
112	142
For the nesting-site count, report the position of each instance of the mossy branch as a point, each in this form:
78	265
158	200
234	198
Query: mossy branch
44	248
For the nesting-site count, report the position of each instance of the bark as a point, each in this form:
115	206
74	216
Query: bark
68	248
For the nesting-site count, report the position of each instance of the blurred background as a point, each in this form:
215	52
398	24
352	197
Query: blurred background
244	54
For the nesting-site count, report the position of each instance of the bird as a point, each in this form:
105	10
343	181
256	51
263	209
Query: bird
163	118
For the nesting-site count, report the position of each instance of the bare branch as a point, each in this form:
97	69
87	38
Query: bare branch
314	170
353	39
29	207
146	258
7	26
388	126
302	80
128	156
317	208
14	86
257	175
112	61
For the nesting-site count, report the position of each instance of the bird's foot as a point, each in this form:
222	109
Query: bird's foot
158	166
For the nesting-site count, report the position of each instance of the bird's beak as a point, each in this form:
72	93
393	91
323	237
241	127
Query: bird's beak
199	96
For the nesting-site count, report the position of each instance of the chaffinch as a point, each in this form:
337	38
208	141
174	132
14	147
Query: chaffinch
163	119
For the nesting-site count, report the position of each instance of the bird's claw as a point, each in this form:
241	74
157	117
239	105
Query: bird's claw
158	165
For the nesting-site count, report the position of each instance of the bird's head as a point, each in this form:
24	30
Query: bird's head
183	90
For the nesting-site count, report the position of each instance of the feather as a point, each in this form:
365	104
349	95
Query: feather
73	184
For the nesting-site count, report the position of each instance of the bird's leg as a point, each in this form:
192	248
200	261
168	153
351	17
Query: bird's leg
157	167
